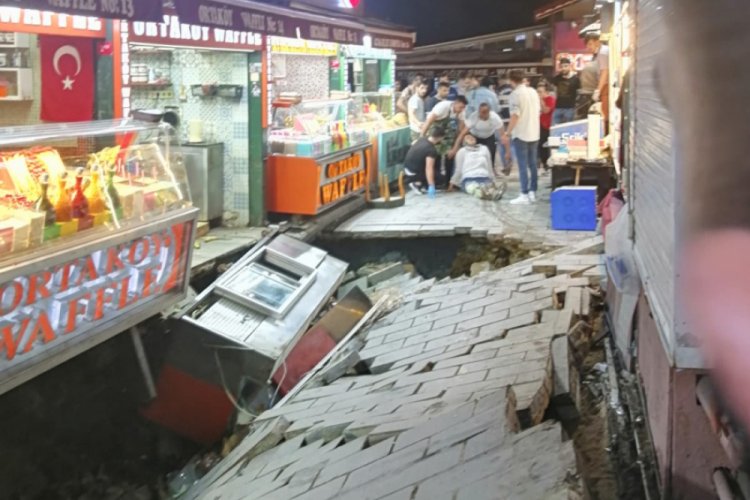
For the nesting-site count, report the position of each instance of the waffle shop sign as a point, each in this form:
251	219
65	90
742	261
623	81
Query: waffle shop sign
342	178
171	32
50	308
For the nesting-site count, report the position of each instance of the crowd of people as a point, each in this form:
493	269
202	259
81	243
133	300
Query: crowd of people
458	128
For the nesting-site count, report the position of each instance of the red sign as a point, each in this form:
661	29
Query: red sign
48	308
577	61
67	67
172	32
17	20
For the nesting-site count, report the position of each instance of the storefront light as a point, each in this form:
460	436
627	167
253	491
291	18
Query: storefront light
367	41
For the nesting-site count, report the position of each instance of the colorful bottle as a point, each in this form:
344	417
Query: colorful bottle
63	210
44	205
93	193
111	190
79	203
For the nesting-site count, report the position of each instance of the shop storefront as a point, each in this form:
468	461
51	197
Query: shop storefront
202	79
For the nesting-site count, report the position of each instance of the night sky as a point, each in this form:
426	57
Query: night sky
443	20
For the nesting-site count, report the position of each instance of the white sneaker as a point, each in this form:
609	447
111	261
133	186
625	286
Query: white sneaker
532	196
523	199
415	188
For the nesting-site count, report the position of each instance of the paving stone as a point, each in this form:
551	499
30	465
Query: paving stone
441	313
586	303
369	353
484	320
435	355
508	324
436	333
517	369
314	461
491	363
354	462
494	297
536	306
417	312
458	318
494	437
427	376
383	363
435	426
517	299
290	407
468	378
447	484
467	359
465	430
408	332
323	492
465	337
392	328
387	465
410	475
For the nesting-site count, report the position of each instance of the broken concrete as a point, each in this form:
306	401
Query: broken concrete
464	372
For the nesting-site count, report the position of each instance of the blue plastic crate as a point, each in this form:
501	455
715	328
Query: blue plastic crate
574	208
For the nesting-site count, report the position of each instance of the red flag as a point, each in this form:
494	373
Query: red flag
67	78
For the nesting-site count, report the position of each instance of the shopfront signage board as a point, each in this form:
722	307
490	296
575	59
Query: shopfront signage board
244	18
361	52
145	10
171	32
41	22
283	45
577	60
342	178
392	148
58	305
392	42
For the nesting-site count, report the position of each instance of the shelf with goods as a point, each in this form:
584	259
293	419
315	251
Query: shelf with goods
16	84
126	181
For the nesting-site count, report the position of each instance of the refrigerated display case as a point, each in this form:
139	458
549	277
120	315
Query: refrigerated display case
96	231
319	154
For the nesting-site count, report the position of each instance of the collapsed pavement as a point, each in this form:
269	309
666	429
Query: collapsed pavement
464	376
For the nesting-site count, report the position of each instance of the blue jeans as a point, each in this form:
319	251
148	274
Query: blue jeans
563	115
527	154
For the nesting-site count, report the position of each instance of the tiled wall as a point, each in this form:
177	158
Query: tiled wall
308	75
25	112
224	120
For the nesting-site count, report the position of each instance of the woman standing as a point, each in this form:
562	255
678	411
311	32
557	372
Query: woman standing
545	120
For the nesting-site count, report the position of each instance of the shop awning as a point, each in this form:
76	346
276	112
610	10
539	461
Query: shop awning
552	8
245	15
131	10
384	37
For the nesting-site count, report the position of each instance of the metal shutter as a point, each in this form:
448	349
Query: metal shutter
653	172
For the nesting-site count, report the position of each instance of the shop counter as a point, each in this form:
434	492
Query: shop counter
308	186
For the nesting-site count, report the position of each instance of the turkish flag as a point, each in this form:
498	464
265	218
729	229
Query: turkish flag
67	78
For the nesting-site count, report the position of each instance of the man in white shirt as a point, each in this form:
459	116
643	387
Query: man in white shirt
484	125
525	129
416	111
474	170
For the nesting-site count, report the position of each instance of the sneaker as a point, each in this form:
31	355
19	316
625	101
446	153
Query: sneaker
532	196
523	199
416	188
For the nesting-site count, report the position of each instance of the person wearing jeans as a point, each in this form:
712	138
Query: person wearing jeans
525	129
527	156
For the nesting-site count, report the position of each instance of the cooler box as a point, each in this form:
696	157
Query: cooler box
574	208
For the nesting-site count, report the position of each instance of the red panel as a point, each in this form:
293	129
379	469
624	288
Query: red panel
308	352
189	406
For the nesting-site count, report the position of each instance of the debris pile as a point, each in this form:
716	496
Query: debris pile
469	388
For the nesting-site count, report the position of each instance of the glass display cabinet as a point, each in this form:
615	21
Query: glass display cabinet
96	235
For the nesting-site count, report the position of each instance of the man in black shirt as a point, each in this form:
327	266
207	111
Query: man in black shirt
568	84
443	90
419	165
